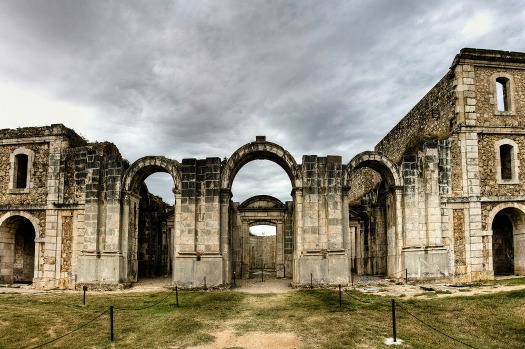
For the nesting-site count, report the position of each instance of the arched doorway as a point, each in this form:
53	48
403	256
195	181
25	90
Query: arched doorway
147	232
502	245
17	258
269	251
508	239
236	249
374	194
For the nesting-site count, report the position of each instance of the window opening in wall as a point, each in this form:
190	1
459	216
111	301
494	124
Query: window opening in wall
21	162
502	93
263	230
505	152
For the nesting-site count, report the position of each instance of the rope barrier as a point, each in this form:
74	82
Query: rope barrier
435	329
76	329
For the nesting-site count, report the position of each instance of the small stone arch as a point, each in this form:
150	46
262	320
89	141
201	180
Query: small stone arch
147	165
516	214
277	204
492	214
377	162
260	150
9	224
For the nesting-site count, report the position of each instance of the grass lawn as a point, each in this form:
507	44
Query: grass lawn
151	320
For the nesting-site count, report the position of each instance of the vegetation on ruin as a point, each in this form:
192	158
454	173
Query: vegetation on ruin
152	320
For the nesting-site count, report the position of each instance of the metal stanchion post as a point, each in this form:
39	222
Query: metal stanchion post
394	320
111	322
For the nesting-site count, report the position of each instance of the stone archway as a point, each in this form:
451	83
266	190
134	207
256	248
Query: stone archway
273	252
376	247
133	184
507	222
258	150
18	232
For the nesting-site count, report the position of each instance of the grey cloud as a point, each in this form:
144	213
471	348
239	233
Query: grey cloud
202	78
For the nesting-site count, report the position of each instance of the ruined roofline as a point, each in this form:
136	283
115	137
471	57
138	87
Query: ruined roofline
484	55
43	131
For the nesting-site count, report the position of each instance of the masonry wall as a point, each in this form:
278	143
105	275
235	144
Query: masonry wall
431	118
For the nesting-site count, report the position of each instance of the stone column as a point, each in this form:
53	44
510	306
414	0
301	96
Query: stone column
279	249
175	234
225	196
245	239
397	260
346	225
297	194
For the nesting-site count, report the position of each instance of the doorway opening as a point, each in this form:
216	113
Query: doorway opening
502	245
18	262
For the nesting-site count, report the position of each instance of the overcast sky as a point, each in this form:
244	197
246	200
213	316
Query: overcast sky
202	78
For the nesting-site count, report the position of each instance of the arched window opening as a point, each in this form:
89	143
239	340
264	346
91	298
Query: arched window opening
507	162
21	165
506	151
502	93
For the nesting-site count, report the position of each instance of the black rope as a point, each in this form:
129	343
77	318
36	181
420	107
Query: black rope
76	329
435	329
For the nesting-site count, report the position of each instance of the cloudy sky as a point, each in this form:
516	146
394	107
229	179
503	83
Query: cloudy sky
202	78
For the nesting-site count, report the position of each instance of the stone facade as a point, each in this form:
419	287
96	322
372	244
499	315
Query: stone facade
442	196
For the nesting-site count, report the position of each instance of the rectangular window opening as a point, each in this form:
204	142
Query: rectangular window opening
505	152
21	171
502	94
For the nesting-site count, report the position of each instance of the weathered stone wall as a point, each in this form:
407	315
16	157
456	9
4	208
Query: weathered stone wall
429	119
35	196
262	252
488	164
486	99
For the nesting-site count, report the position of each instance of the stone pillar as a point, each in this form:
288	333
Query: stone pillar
279	250
225	197
176	233
297	195
245	250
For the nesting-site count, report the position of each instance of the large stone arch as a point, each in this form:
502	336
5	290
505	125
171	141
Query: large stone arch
392	218
147	165
516	213
131	184
9	223
260	150
377	162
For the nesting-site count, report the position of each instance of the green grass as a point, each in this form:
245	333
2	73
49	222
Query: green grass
152	320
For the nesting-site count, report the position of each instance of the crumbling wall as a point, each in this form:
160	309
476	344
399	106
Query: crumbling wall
429	119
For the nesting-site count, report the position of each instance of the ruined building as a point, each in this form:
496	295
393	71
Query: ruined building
440	197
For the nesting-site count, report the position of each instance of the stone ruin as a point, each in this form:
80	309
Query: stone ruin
439	197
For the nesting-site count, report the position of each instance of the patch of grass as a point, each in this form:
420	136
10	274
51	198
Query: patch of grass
152	320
